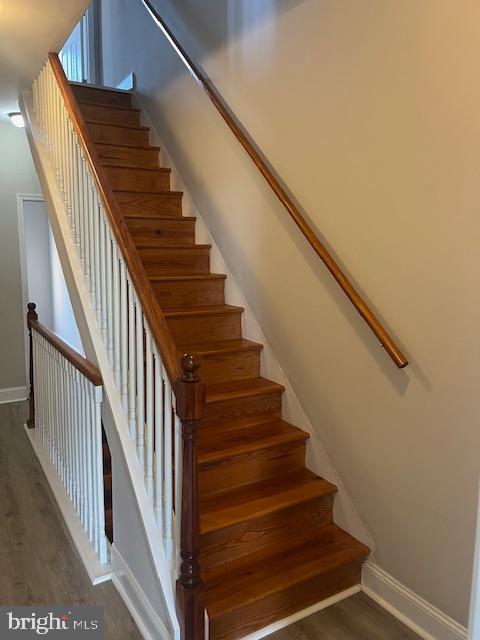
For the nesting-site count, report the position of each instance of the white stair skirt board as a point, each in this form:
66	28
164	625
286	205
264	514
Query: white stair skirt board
416	613
96	572
141	609
300	615
13	394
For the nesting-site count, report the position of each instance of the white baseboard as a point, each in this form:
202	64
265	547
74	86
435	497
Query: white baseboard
96	572
281	624
13	394
416	613
141	609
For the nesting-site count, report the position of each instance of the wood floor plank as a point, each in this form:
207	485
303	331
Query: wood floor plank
356	618
38	562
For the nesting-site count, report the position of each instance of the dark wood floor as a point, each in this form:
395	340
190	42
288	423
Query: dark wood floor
38	563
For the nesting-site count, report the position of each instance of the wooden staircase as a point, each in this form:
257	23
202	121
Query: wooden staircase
269	546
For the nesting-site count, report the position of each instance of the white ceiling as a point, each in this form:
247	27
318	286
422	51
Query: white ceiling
29	29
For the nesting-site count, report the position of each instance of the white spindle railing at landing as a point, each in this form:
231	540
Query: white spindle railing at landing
140	376
68	425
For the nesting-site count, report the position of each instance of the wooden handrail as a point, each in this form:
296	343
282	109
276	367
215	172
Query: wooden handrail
154	314
86	368
320	249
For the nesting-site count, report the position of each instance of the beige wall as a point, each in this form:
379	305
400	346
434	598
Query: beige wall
370	112
17	175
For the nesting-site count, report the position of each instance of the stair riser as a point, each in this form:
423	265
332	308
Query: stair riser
243	538
230	366
202	328
165	204
189	293
112	154
162	232
252	406
251	467
100	96
138	179
117	135
259	614
161	261
107	114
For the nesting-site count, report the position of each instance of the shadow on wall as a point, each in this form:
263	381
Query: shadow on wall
208	24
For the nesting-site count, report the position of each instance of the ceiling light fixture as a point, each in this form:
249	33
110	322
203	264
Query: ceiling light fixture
16	119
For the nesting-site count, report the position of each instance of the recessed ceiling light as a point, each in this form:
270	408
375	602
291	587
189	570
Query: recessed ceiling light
16	119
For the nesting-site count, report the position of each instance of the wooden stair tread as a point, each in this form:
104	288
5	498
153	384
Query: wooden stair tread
107	106
202	311
149	193
187	276
104	123
238	583
137	168
218	511
124	144
219	346
153	216
219	444
241	389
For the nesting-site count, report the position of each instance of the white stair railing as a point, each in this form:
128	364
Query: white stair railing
140	375
68	425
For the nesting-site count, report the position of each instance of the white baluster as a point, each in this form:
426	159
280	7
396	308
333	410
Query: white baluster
168	516
116	316
101	537
88	458
124	336
103	274
158	474
140	430
109	296
149	390
131	361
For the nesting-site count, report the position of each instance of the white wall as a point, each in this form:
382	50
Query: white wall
37	255
45	282
369	112
17	175
63	317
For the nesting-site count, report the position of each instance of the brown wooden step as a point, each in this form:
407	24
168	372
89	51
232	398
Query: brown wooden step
189	290
112	114
240	522
164	204
229	458
138	178
175	260
162	231
248	594
105	96
243	399
121	154
203	324
117	133
224	360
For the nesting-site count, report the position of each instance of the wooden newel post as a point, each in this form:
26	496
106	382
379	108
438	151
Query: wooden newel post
190	396
31	315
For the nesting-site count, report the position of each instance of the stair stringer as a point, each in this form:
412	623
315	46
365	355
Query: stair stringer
317	458
96	352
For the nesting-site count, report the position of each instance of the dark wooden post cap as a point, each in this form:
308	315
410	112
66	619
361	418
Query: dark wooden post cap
190	365
32	314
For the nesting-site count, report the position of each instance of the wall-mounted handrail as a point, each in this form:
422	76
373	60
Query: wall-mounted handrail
320	249
86	368
153	313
